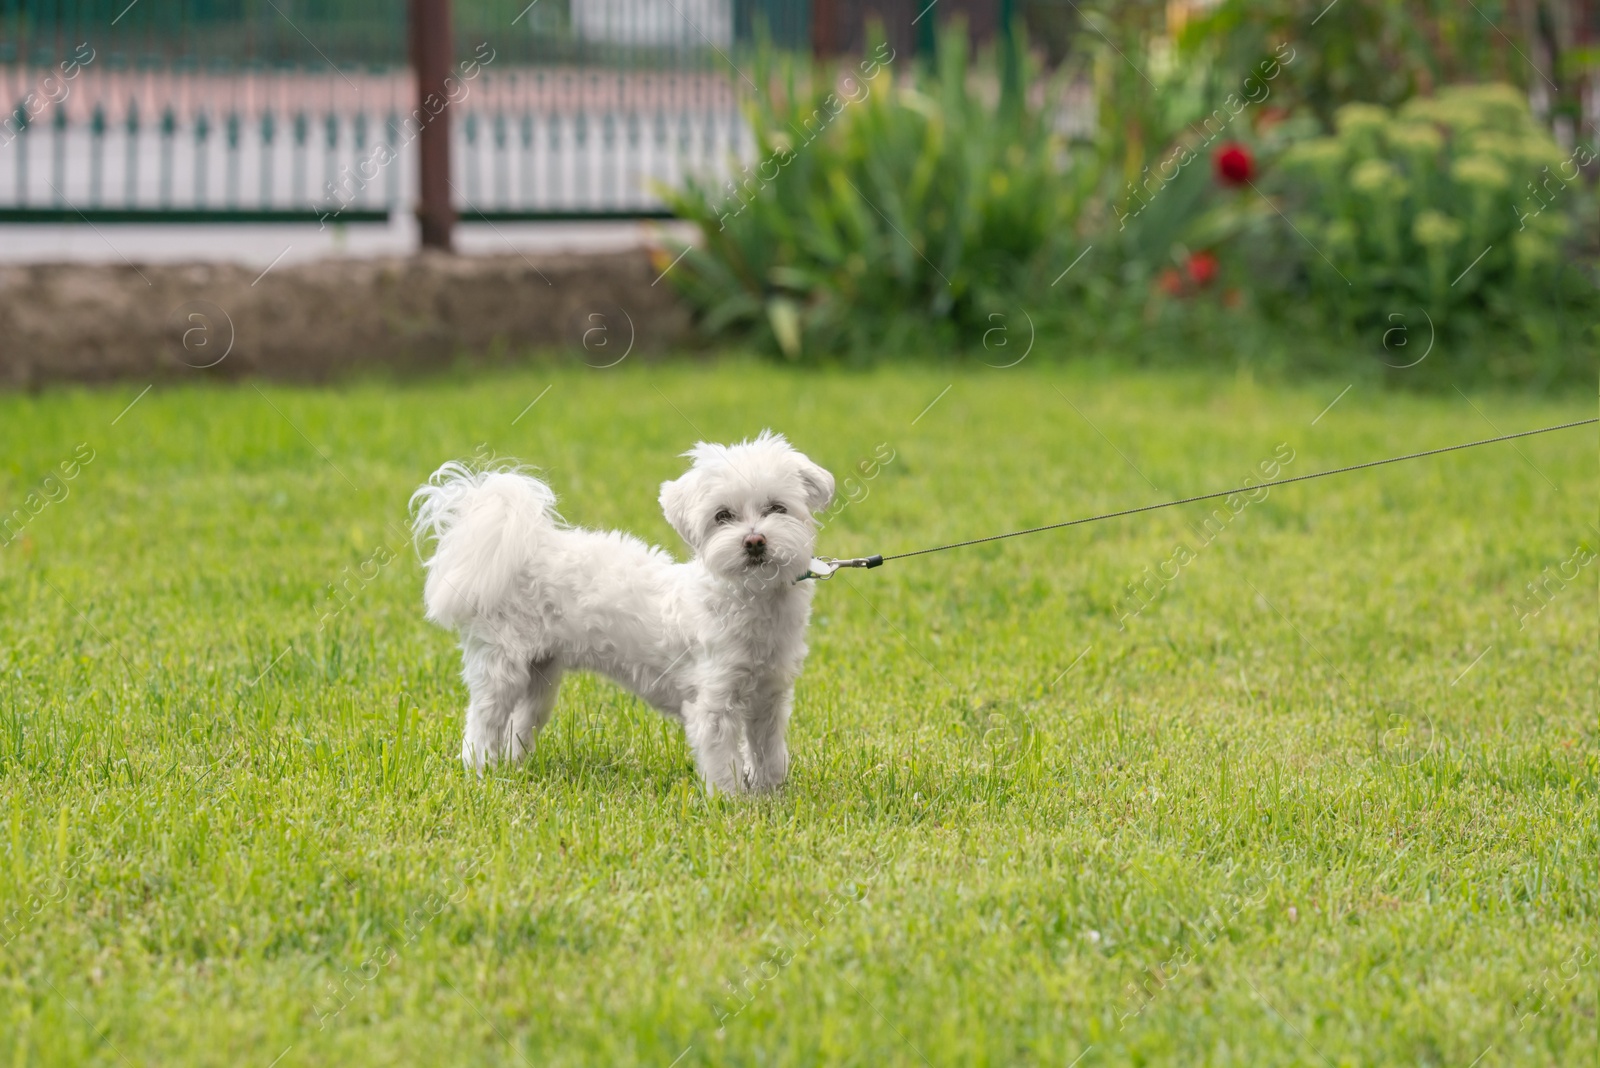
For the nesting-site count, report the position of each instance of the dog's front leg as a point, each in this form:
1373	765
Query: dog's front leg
765	730
713	730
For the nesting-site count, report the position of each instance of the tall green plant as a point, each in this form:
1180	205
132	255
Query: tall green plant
884	207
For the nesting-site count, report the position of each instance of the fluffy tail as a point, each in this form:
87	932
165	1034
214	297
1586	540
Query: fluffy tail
487	527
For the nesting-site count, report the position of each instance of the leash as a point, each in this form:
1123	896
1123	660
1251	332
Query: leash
825	567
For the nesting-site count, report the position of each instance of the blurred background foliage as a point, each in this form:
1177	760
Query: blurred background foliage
1176	182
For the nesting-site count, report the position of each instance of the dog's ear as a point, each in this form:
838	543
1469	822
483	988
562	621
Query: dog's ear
675	500
818	484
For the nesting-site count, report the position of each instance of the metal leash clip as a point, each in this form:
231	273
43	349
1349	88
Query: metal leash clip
824	567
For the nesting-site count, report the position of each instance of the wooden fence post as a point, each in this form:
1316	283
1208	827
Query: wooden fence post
432	50
824	42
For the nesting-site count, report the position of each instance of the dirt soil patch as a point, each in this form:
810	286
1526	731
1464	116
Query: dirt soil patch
316	321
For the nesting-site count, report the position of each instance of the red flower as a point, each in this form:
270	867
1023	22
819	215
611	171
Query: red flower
1234	164
1202	268
1170	282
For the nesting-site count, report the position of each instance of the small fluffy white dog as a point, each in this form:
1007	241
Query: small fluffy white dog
715	643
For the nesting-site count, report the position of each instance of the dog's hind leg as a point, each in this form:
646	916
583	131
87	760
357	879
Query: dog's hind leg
497	684
532	711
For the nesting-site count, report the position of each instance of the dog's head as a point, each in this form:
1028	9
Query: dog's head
746	509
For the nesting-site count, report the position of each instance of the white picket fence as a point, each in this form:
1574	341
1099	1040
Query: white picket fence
525	141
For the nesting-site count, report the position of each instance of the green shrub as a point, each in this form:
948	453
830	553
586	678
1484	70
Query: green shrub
883	210
1433	206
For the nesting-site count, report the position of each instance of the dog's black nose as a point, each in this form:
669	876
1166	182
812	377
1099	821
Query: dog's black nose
755	544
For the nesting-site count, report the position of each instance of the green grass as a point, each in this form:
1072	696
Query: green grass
1325	801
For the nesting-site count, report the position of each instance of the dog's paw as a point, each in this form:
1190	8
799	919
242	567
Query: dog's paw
760	784
476	758
734	785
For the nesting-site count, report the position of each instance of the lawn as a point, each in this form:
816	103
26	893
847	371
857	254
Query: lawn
1323	794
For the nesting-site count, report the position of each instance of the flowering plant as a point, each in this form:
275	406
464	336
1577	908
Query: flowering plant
1434	205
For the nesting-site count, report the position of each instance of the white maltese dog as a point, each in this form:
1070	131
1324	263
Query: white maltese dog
715	643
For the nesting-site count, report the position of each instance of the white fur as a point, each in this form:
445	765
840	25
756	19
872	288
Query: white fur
715	643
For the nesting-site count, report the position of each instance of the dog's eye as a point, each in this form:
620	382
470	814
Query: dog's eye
724	516
776	509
